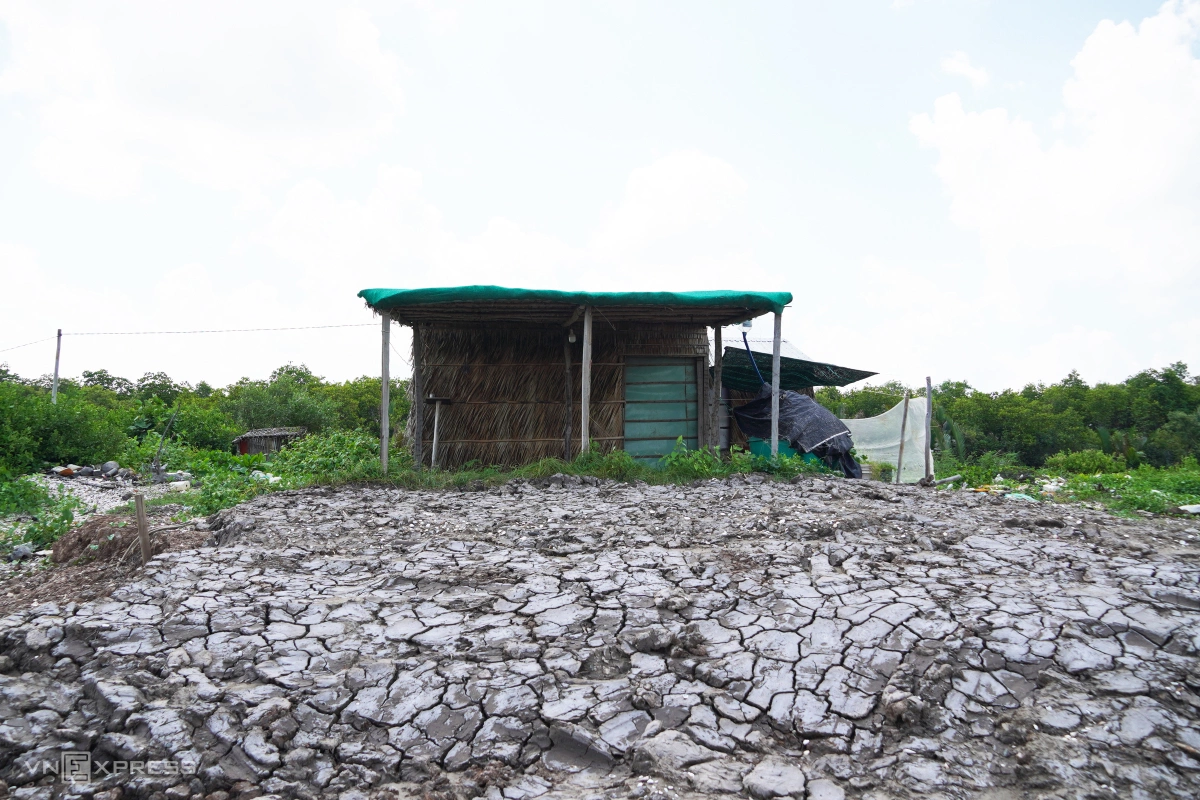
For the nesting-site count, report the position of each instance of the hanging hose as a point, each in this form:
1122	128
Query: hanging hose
753	363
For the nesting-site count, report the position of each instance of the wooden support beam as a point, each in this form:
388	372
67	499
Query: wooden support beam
568	400
903	430
385	395
701	402
775	385
437	418
585	383
139	505
928	428
418	397
718	357
574	317
57	353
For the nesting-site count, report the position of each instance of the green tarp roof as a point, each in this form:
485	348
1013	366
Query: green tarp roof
384	299
737	372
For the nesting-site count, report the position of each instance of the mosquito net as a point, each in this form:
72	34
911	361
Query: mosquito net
878	438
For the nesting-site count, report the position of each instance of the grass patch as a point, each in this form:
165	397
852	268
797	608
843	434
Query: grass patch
1157	490
37	516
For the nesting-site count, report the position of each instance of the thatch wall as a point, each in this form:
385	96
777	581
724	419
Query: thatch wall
507	386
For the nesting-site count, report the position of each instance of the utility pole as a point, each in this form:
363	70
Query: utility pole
57	353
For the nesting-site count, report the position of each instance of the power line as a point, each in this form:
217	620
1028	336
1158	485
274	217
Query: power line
176	333
225	330
39	341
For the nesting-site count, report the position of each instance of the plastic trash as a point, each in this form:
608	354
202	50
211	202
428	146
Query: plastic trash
1020	496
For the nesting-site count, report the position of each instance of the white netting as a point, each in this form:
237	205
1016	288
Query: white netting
878	438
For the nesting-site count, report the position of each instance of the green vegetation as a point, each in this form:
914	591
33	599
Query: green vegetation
1131	446
101	417
1151	418
1143	489
40	516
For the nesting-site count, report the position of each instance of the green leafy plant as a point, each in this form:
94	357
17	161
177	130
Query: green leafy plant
42	516
1085	462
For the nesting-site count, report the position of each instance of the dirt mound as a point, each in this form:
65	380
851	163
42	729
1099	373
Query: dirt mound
93	560
108	537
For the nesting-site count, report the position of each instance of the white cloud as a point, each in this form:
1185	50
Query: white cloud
1097	229
671	196
230	96
959	64
679	224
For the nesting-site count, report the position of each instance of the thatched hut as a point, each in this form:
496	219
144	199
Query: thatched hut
507	376
266	440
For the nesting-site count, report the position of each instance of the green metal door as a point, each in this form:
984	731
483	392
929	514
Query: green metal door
660	405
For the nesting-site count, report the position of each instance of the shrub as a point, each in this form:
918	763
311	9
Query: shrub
1085	462
682	464
204	425
51	513
282	402
35	433
333	456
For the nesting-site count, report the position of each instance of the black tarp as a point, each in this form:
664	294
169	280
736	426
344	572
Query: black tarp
806	425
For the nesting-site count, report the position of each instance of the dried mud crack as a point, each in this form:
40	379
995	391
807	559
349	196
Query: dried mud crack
585	639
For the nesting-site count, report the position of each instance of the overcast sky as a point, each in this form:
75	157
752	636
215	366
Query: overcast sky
998	192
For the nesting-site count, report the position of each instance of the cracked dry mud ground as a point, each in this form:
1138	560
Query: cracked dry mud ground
595	640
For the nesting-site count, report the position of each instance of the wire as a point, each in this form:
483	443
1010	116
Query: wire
398	354
226	330
17	347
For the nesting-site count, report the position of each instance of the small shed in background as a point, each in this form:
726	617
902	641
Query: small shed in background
266	440
515	375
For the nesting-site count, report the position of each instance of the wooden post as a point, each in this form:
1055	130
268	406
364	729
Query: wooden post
903	427
57	353
928	428
139	503
385	396
437	417
775	385
585	384
718	359
569	400
418	398
701	402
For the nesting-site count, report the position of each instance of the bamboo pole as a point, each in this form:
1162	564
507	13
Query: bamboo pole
716	390
569	399
57	353
775	385
903	427
139	504
385	395
437	418
928	428
585	383
418	398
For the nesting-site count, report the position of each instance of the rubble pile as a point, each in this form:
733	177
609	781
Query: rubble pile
825	639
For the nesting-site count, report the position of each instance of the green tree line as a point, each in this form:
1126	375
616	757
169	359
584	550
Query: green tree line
1150	418
100	415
